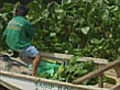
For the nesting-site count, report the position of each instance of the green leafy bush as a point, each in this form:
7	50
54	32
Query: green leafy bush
80	27
5	15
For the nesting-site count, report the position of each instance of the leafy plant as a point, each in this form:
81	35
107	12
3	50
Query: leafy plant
80	27
5	15
74	70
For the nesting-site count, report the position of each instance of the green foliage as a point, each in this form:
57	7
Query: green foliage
110	80
80	27
74	70
5	15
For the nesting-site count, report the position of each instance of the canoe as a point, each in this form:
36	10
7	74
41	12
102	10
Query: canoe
13	79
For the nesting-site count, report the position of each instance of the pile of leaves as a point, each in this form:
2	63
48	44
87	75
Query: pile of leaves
80	27
74	70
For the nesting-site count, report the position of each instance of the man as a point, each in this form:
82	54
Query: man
19	33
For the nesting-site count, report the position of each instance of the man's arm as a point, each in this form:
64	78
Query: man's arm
29	29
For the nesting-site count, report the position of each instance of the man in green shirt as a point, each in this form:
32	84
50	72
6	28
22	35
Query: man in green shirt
19	33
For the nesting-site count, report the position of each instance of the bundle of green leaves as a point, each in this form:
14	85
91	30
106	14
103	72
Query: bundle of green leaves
74	70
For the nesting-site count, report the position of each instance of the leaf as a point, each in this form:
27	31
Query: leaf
109	80
73	60
52	34
85	30
82	72
59	10
94	41
7	7
88	1
60	13
91	11
73	38
51	6
68	5
15	7
114	8
71	69
78	52
104	14
45	13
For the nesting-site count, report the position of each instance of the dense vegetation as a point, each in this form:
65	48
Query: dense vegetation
74	69
80	27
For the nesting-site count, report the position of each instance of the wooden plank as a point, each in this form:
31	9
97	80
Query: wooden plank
22	84
116	87
110	72
116	79
117	70
16	59
96	72
95	60
56	55
100	80
67	57
54	82
13	67
8	85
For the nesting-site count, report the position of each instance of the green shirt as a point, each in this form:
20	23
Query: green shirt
19	33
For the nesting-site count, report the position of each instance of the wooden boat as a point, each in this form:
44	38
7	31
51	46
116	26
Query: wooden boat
13	79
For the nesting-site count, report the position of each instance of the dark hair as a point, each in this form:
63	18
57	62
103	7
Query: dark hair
21	10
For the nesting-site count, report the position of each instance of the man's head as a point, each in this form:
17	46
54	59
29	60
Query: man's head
21	10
